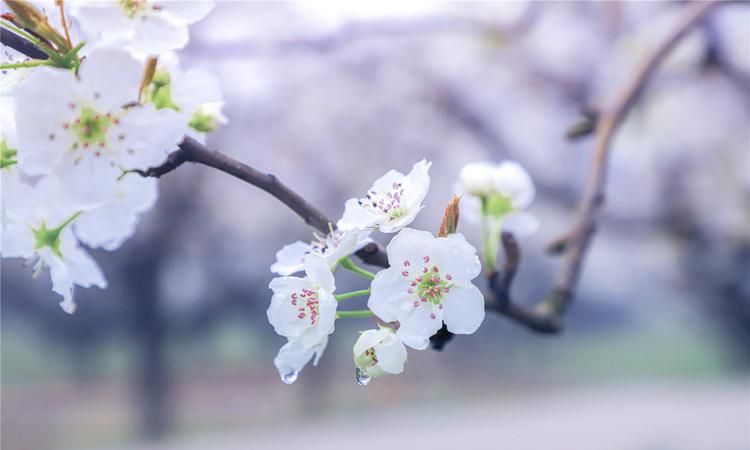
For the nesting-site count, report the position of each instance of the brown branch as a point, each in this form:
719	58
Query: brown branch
548	314
193	151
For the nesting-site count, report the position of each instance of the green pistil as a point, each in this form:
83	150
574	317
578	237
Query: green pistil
45	237
202	122
91	127
496	205
7	155
133	7
160	92
433	288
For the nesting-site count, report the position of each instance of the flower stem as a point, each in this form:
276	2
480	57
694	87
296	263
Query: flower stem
348	295
348	264
20	65
354	314
491	241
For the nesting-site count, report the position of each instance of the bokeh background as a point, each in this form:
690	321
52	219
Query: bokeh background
177	353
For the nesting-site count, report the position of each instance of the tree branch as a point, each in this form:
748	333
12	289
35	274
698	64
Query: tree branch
546	317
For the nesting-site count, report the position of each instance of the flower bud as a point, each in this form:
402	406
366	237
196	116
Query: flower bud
379	352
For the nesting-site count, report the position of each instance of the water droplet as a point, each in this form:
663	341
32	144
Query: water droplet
289	377
362	378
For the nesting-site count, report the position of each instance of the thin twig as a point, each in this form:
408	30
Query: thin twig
593	196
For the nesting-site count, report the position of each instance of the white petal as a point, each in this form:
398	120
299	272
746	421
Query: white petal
367	340
41	110
520	223
282	314
457	258
156	34
112	77
17	241
357	218
150	136
293	356
187	11
464	309
477	178
194	87
417	325
290	259
512	180
391	354
389	294
319	273
90	181
410	246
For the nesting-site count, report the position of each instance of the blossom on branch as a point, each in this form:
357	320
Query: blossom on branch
37	228
304	307
332	247
428	283
147	26
377	353
392	203
78	128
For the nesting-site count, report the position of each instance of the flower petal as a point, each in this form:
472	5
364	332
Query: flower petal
417	325
290	259
464	309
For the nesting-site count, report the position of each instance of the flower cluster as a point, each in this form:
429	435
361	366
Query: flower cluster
428	284
78	126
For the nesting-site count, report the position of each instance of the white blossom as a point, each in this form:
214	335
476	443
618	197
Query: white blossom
428	283
499	192
293	356
332	247
109	225
379	352
148	26
392	203
195	94
304	308
78	128
37	228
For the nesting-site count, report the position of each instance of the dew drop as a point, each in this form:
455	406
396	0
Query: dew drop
362	378
289	377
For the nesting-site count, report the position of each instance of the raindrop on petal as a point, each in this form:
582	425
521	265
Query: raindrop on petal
289	377
362	378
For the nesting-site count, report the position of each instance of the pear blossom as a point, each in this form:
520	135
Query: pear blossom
109	225
304	308
78	128
502	191
194	93
377	353
147	26
428	283
293	356
37	227
392	203
332	247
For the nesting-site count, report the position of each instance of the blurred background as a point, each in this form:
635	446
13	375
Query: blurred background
178	354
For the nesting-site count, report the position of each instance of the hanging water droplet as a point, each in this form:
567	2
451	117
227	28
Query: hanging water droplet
362	378
289	377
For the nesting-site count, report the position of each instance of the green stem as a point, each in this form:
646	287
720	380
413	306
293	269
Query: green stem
67	222
491	240
348	295
354	314
348	264
32	63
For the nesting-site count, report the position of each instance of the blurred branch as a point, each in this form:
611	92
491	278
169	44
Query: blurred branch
575	242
